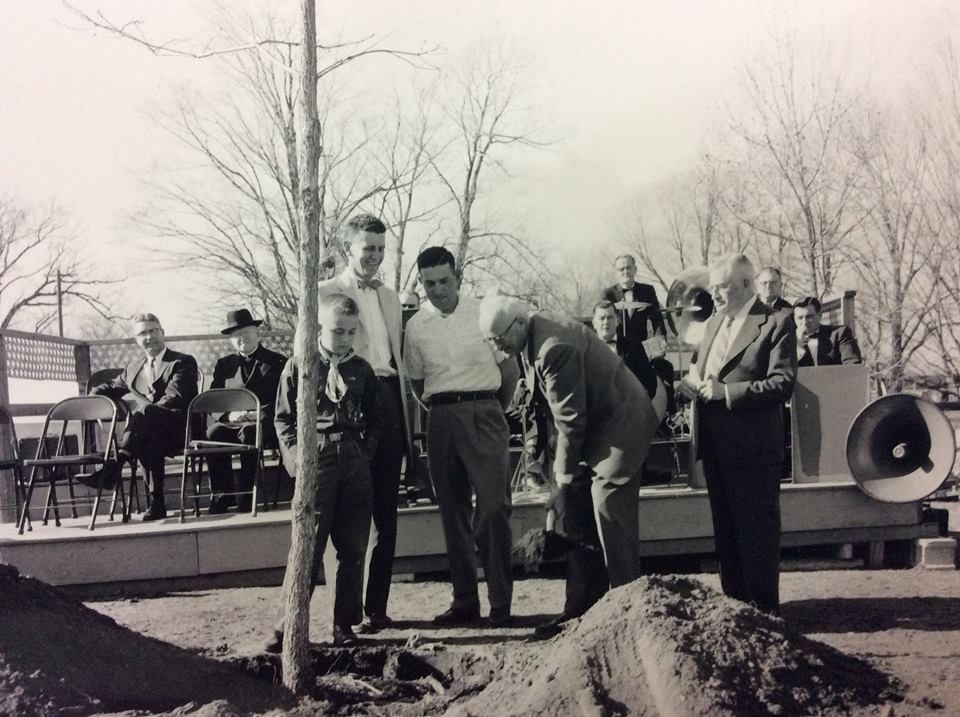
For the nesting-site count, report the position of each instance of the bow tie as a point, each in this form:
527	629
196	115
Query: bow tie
369	284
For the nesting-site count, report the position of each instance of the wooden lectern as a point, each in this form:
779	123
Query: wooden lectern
825	401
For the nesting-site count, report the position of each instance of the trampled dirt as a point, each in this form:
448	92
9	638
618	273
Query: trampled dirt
662	646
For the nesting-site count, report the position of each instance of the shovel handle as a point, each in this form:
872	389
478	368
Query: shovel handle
551	520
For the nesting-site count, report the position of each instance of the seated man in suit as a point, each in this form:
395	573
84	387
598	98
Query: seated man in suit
770	288
257	369
157	388
822	344
634	322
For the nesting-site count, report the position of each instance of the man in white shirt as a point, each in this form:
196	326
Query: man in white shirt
465	385
745	370
378	341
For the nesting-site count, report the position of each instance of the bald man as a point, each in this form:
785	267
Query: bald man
611	432
744	373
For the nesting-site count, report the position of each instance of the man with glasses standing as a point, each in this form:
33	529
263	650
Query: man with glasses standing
465	385
603	417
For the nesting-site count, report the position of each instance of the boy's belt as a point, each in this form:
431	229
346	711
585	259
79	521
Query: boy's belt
459	397
338	436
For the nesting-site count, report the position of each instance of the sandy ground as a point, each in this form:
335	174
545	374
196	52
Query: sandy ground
906	622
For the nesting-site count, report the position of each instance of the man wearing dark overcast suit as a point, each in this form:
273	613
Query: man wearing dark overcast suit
157	388
257	369
602	414
822	344
633	324
744	373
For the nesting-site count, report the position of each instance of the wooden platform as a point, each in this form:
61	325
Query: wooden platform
673	521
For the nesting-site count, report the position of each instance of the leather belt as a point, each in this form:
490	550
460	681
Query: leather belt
461	397
339	436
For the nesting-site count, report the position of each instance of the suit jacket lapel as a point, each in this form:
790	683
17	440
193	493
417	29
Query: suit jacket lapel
747	334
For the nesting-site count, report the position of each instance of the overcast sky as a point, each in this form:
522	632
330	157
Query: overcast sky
630	85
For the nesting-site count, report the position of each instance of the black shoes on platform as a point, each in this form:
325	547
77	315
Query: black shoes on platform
105	477
157	511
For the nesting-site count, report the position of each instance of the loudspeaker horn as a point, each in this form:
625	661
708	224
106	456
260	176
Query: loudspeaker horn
689	296
900	448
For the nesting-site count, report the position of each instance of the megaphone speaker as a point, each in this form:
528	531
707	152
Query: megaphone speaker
900	448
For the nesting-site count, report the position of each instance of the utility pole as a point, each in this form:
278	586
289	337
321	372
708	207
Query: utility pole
59	302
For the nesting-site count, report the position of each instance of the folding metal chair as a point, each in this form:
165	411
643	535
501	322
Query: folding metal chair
47	469
123	415
197	450
10	459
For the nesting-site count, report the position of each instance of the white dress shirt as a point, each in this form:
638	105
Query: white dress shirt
378	351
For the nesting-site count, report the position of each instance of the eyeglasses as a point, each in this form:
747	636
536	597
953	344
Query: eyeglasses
497	340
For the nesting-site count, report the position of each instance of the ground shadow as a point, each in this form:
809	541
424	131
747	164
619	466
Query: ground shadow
832	615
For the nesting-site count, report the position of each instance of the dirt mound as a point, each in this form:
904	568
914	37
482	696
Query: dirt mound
671	646
58	657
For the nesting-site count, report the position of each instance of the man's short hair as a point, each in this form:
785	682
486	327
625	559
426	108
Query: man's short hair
603	305
772	270
739	265
436	256
631	257
809	301
144	318
365	223
339	305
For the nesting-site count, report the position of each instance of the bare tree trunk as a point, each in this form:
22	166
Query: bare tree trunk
296	584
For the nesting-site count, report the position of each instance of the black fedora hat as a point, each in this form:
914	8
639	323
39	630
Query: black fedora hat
239	319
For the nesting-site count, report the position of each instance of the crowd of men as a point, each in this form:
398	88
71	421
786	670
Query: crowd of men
600	393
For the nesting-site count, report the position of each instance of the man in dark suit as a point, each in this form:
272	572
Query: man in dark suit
585	569
770	288
822	344
637	325
257	369
157	388
744	373
566	363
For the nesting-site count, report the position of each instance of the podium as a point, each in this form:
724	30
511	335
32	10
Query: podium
825	401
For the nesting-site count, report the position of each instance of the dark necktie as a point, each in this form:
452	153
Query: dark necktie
806	358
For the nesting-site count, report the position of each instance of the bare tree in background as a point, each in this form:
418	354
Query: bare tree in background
679	223
406	154
896	255
36	245
228	208
795	159
483	103
943	130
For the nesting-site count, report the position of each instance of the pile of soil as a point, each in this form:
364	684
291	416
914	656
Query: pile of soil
663	645
59	657
666	645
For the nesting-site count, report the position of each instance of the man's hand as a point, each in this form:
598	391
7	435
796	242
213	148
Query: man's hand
558	497
712	390
242	416
688	389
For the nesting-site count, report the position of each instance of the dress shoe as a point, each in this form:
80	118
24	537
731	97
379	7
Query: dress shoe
220	504
158	511
344	636
458	616
374	623
274	644
552	627
106	476
499	617
245	504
